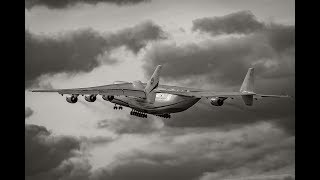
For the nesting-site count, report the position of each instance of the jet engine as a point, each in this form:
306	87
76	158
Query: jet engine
108	98
216	101
72	99
90	98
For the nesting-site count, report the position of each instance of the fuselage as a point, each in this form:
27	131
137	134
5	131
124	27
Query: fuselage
164	103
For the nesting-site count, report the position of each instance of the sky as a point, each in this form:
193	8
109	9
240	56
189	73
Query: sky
207	44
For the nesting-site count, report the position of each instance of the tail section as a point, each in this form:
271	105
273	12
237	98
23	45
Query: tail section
248	82
247	99
248	87
152	84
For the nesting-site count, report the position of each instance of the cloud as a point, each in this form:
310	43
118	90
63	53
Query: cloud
172	153
60	4
234	114
281	37
221	65
137	37
49	156
79	50
131	125
97	140
211	176
196	152
70	169
28	112
242	22
225	61
72	52
45	152
204	142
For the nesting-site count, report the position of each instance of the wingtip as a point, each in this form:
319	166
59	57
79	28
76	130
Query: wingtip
288	96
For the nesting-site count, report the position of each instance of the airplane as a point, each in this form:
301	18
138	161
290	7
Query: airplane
160	100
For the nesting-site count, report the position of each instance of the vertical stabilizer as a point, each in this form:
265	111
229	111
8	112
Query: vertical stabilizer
152	84
248	82
248	87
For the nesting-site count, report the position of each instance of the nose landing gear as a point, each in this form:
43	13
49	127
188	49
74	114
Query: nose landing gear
116	107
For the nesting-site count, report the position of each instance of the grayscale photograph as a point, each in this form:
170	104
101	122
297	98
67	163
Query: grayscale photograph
159	89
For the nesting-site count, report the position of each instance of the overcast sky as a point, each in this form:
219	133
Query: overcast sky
206	44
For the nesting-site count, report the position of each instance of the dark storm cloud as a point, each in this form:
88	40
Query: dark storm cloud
77	51
193	154
189	154
131	125
44	152
234	114
73	52
242	22
225	61
211	176
28	112
60	4
281	37
49	156
70	169
221	65
136	37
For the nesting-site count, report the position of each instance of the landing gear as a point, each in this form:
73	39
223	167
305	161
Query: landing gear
116	107
164	115
139	114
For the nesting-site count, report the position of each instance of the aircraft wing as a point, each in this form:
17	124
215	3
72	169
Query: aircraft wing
208	94
272	96
200	94
126	89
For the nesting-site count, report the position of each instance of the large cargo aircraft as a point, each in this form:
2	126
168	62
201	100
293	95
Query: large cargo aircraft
160	100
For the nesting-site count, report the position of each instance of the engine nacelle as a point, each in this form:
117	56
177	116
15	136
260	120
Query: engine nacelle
72	99
216	101
90	98
108	98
